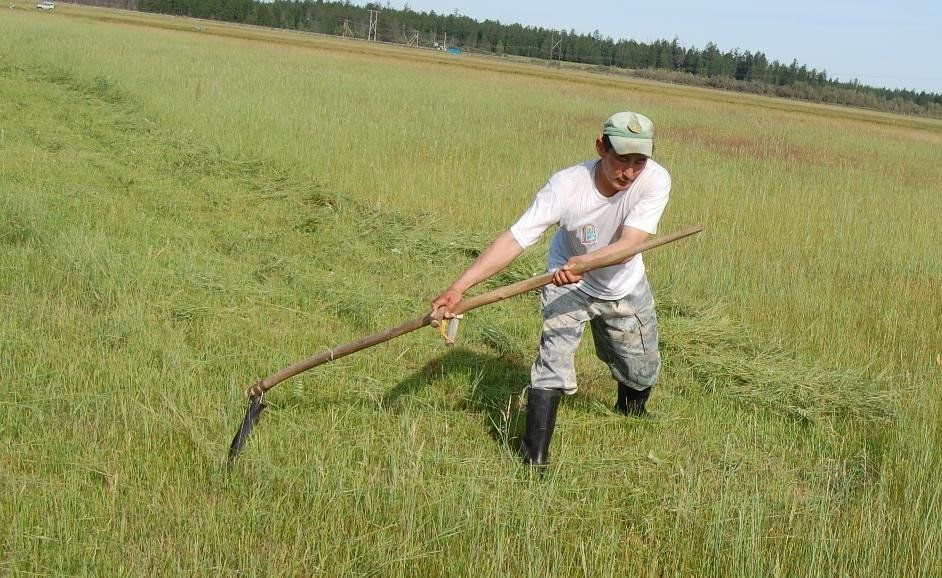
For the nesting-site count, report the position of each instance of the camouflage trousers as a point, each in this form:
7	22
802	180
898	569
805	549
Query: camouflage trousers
624	331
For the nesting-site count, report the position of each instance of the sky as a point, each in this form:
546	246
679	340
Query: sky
892	44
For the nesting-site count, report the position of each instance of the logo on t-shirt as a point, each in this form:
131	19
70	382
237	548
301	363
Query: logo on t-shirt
589	235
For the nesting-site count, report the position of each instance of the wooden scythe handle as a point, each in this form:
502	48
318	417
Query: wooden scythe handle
481	300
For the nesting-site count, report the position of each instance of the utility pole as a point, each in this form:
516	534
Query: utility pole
374	19
556	41
346	29
414	39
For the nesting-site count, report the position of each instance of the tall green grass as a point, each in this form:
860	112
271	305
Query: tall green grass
182	213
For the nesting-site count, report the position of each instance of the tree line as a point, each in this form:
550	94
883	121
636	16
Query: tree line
665	60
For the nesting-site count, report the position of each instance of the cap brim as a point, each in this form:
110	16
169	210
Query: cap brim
629	146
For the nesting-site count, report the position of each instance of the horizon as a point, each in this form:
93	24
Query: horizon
881	44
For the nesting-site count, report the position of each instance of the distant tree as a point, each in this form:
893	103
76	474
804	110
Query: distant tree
263	15
665	56
678	55
759	71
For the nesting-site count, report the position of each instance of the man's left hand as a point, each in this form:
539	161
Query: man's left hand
564	275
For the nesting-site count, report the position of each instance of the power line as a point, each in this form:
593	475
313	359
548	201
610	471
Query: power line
374	20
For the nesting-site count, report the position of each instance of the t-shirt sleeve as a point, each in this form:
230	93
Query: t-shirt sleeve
542	214
647	212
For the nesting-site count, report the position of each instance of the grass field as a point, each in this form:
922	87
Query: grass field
186	207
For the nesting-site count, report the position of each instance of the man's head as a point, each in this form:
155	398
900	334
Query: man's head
630	133
626	142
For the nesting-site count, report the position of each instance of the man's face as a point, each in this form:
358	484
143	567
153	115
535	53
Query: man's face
620	171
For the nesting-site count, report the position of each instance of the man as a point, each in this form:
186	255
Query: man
601	206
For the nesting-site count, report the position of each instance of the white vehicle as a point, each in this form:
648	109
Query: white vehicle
45	5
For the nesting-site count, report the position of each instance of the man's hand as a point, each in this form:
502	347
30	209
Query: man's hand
448	299
501	252
564	275
627	237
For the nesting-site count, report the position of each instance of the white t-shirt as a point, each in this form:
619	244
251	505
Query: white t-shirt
589	221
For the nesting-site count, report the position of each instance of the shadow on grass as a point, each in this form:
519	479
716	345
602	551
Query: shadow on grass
496	389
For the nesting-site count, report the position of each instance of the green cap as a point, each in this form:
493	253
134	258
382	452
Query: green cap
630	133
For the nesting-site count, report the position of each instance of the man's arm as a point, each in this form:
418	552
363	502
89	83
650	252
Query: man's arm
627	237
495	258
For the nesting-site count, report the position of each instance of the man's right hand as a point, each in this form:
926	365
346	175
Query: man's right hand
448	299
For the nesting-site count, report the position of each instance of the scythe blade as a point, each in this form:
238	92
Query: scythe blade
252	413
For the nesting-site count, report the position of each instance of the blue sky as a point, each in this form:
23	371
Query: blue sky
892	44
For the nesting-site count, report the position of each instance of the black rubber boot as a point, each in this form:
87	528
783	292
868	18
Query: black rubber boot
541	421
631	401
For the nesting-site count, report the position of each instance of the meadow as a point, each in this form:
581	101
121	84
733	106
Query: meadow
186	207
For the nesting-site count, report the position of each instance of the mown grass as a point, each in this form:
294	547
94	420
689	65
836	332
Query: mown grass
181	214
